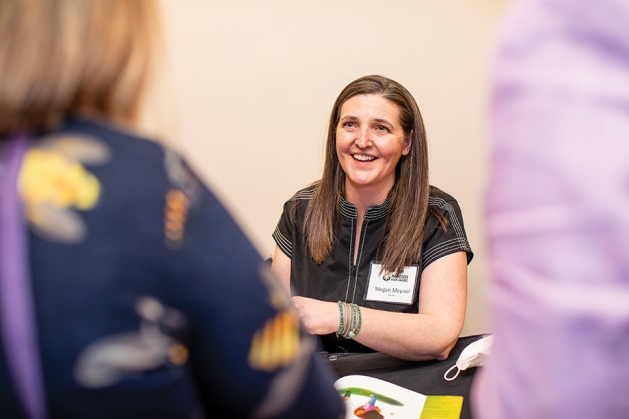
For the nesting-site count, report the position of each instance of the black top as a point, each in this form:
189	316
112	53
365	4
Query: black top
336	278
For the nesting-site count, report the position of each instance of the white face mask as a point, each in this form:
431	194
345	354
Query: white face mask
472	356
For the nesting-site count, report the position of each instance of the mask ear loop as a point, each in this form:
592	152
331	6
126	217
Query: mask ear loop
445	376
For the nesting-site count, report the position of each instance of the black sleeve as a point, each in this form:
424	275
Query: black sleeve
284	230
439	243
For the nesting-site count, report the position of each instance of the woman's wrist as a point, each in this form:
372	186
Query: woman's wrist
350	320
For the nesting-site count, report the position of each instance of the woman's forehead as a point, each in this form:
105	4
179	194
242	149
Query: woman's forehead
373	106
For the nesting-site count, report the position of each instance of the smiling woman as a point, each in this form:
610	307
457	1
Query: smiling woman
372	225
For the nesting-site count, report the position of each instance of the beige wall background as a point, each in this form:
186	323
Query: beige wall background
247	86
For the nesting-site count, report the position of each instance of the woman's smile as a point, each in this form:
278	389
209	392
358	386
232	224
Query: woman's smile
362	157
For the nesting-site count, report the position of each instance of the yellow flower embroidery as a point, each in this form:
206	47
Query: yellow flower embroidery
53	184
49	178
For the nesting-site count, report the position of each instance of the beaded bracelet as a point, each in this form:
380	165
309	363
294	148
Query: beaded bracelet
360	321
346	319
352	326
356	322
342	322
350	320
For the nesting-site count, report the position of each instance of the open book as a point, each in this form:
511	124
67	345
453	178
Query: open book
372	398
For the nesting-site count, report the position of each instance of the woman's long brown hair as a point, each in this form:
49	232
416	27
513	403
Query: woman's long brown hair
409	196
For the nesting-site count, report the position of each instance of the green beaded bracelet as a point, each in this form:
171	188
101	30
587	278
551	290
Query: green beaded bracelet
356	322
342	324
360	321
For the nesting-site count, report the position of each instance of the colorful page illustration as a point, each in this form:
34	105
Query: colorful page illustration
372	398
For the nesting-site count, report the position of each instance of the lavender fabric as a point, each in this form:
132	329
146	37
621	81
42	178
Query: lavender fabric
19	332
557	214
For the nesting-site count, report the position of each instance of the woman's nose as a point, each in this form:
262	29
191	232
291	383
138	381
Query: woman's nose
363	138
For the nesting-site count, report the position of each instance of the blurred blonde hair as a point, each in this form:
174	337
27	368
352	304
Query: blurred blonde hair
74	57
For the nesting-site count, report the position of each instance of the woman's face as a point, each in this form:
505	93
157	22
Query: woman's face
369	143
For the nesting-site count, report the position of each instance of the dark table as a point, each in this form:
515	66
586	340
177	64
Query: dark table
425	377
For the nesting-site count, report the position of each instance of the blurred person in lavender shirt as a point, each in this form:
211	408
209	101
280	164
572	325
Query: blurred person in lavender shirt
558	214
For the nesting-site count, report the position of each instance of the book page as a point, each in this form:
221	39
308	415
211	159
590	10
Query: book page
372	398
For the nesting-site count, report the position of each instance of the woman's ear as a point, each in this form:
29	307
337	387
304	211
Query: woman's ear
407	146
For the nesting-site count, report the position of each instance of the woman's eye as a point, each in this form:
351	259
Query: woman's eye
382	128
349	124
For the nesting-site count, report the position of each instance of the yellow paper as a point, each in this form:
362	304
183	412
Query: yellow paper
442	407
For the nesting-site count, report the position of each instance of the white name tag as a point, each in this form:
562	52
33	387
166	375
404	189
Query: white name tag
389	288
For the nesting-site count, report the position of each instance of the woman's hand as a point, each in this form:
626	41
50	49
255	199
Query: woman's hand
318	317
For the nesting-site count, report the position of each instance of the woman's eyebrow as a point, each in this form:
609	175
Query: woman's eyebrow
382	121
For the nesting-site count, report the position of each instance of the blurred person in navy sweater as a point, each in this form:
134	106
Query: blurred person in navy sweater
127	289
